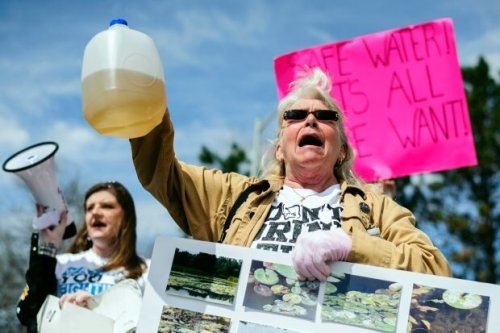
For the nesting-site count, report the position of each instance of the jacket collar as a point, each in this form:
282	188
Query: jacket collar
346	188
276	183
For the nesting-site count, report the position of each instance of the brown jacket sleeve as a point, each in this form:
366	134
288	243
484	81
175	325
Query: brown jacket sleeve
384	234
192	194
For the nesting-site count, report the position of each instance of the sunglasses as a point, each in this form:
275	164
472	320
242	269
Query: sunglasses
319	114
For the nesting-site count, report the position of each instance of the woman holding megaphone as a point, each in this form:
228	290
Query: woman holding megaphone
102	254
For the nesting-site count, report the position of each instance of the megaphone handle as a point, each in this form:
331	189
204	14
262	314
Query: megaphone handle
70	231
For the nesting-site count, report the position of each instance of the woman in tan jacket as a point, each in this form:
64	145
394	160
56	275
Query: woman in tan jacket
309	202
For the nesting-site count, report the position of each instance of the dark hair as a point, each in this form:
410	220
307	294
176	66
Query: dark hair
124	252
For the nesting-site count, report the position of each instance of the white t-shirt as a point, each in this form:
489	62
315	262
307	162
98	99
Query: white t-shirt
295	211
81	271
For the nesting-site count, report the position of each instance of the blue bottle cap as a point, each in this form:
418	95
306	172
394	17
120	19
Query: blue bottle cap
118	21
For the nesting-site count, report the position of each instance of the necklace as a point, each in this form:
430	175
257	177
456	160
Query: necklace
302	198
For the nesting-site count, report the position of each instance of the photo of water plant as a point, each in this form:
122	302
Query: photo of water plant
186	321
204	276
361	301
440	310
246	327
274	287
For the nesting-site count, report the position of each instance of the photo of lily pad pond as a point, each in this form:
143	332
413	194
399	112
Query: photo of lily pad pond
204	276
246	327
440	310
186	321
273	287
361	301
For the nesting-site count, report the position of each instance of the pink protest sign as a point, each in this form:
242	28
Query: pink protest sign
403	96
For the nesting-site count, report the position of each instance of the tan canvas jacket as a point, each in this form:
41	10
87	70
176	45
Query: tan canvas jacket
199	200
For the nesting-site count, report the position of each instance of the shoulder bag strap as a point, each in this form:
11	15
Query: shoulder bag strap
239	201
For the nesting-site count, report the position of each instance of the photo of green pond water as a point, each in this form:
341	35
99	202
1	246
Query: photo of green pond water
441	311
361	301
175	320
204	276
275	288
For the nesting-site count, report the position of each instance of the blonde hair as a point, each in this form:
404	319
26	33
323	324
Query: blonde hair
311	84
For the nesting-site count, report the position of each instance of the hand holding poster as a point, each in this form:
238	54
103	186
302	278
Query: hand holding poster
403	96
114	311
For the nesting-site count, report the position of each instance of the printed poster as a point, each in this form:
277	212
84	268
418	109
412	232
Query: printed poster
196	286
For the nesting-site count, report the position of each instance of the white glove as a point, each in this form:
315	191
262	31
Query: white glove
52	225
315	250
48	218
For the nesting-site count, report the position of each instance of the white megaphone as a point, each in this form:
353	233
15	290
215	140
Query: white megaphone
35	165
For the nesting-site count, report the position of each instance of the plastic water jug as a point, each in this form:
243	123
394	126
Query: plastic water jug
123	86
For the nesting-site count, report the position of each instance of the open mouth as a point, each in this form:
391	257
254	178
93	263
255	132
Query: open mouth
98	224
310	140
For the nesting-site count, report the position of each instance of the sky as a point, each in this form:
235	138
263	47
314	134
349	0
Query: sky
217	58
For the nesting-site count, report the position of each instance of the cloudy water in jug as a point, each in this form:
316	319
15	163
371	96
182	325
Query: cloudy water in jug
130	111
